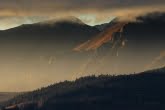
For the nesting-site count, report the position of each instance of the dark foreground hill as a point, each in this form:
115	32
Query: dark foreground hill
144	91
4	96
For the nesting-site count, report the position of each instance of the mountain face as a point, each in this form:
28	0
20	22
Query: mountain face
143	44
65	31
102	27
46	50
137	46
48	37
145	40
142	91
35	49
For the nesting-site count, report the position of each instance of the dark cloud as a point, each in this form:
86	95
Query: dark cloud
21	7
100	9
80	3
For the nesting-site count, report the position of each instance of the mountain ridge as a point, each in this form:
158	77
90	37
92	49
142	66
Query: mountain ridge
126	91
41	51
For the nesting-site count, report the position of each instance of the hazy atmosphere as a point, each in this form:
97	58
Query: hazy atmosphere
46	41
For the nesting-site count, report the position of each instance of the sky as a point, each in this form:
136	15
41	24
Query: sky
16	12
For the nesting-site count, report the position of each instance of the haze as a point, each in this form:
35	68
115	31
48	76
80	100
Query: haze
39	54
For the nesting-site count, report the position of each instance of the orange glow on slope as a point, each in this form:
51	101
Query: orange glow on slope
101	39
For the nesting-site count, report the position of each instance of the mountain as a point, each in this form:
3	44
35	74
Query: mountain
45	38
144	91
103	26
41	48
141	46
145	40
63	31
46	50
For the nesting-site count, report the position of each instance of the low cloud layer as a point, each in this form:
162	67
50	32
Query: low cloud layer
90	11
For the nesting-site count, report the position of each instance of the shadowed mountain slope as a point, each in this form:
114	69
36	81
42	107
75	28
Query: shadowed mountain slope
65	31
45	51
141	42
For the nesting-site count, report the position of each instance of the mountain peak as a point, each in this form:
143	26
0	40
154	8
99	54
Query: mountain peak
70	20
152	17
74	19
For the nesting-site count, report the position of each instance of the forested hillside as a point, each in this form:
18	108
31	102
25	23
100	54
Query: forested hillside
143	91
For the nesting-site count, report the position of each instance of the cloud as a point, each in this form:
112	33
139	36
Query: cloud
14	21
95	11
